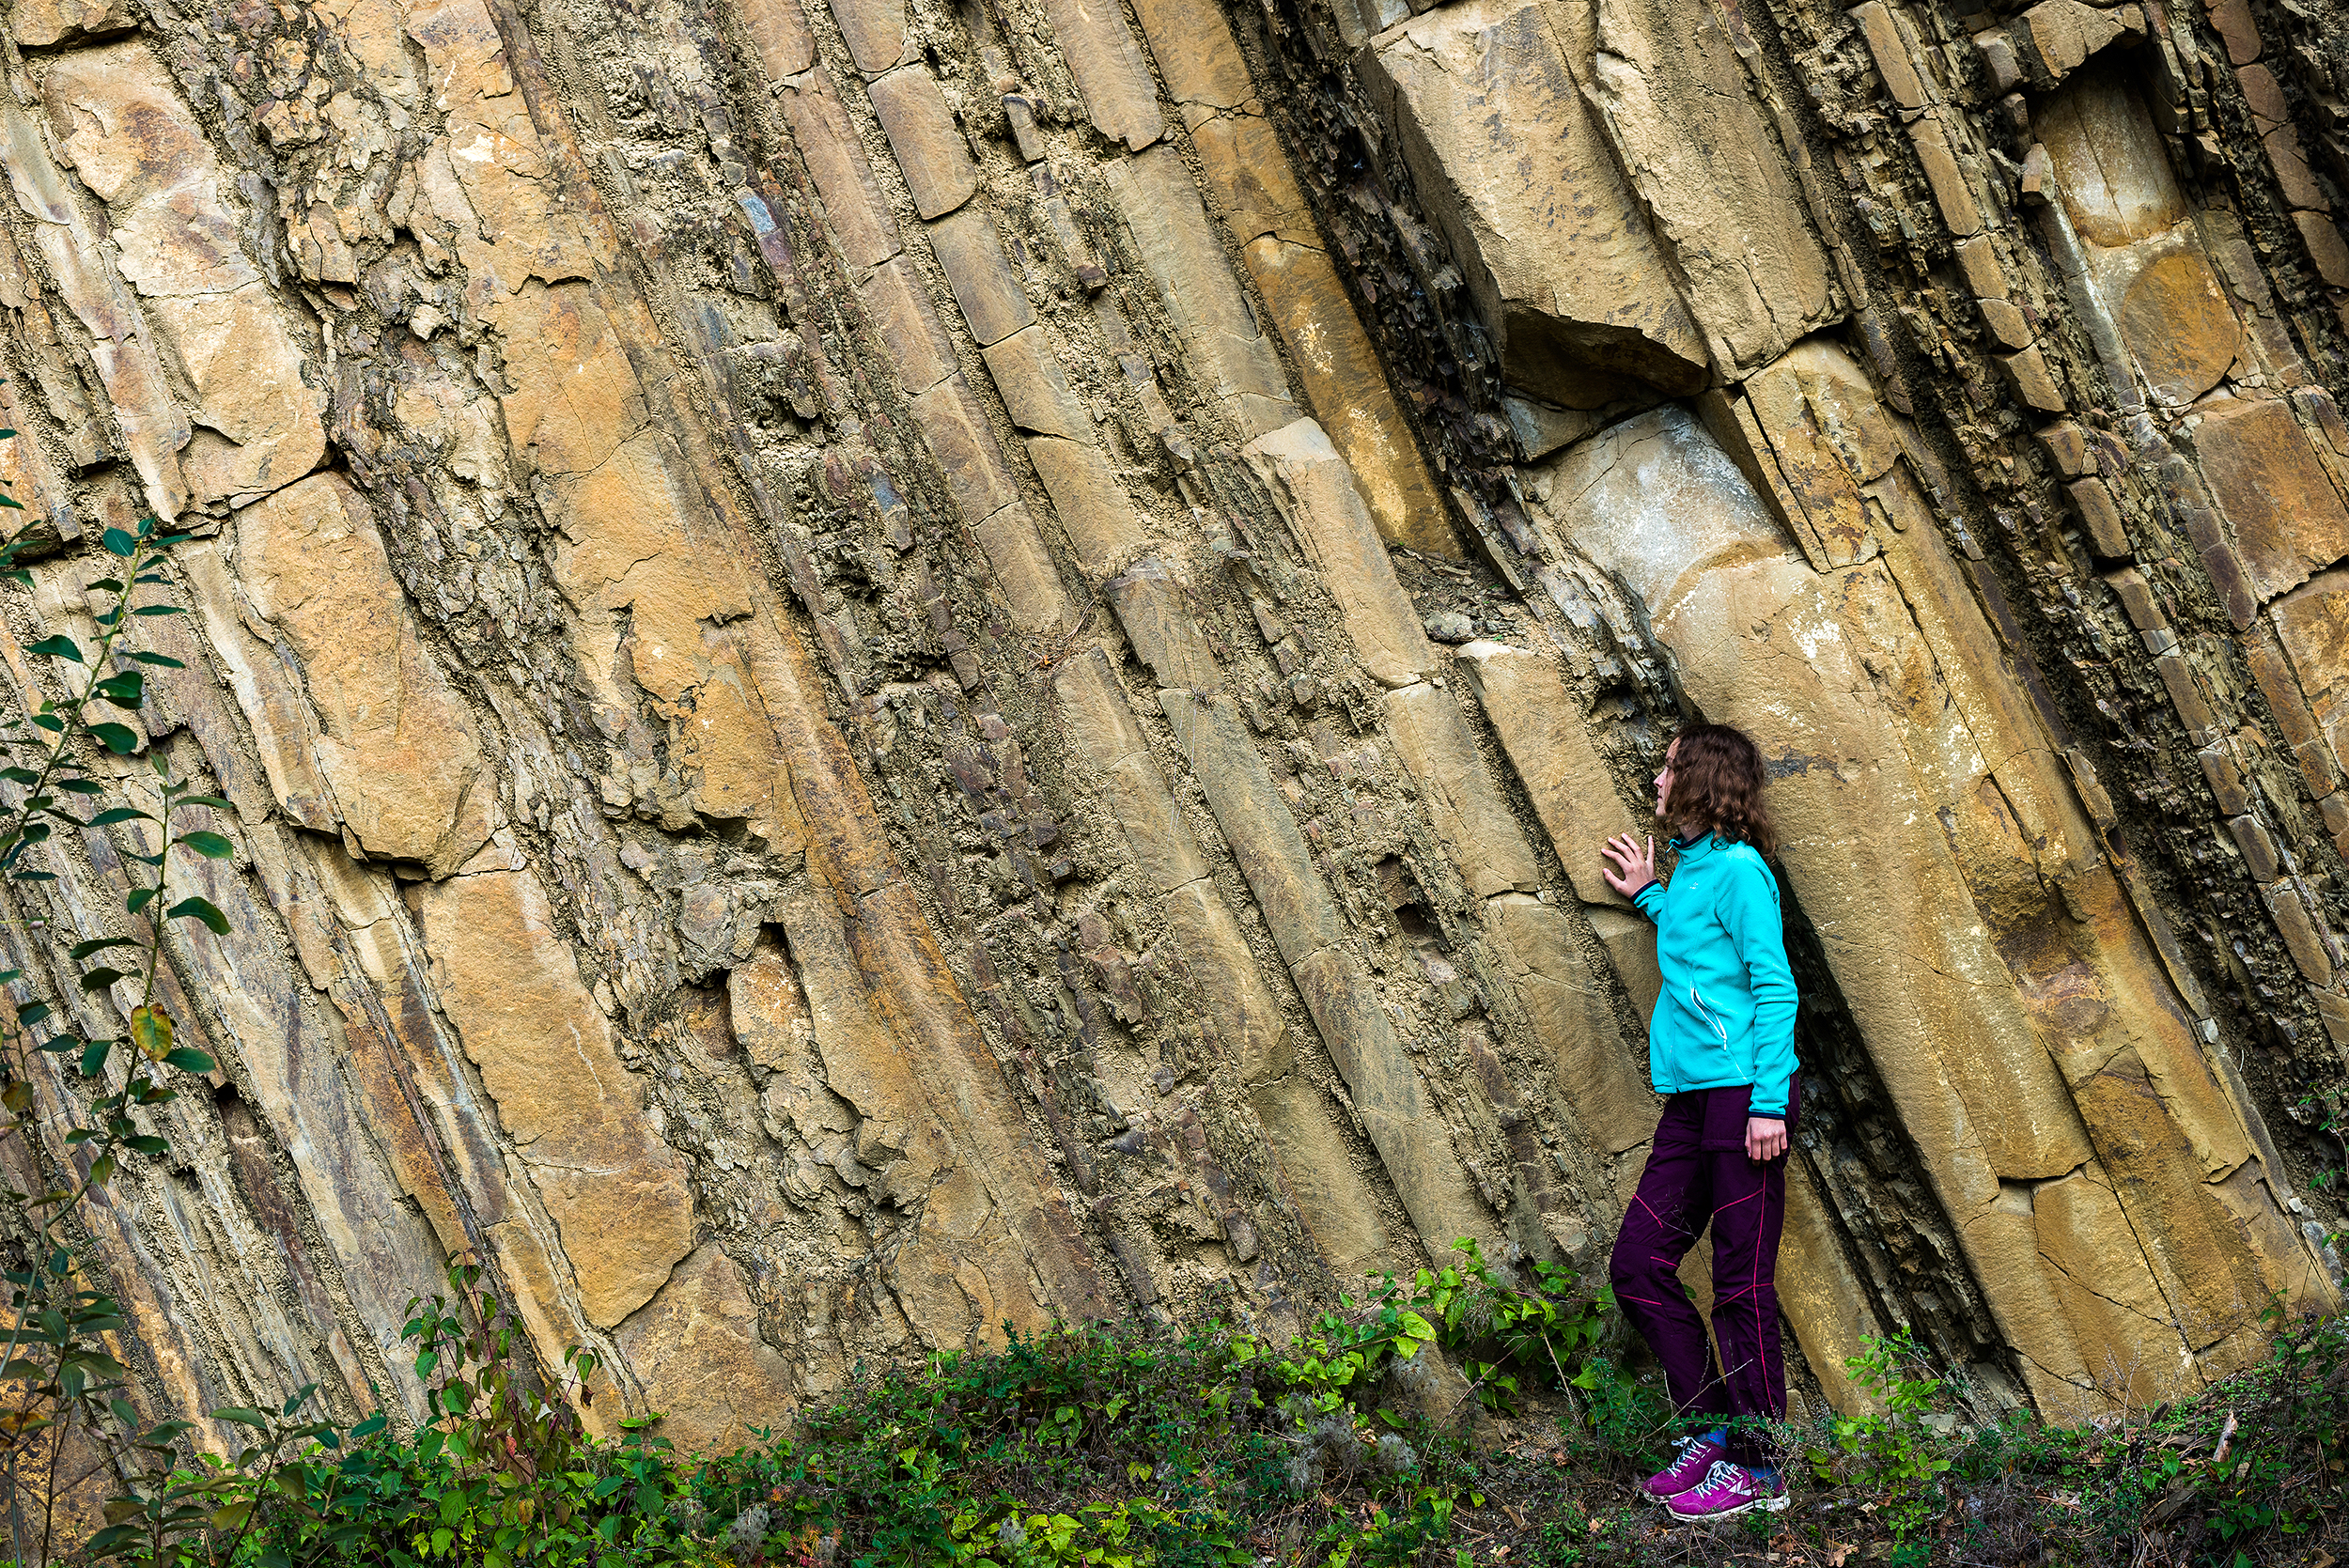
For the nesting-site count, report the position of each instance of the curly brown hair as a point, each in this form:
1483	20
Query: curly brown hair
1716	787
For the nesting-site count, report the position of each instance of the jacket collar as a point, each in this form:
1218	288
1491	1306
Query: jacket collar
1696	849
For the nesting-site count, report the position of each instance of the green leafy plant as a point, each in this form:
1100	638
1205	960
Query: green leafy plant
1510	1339
1893	1453
55	1371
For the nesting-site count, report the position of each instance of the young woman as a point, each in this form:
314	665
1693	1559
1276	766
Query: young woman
1721	1047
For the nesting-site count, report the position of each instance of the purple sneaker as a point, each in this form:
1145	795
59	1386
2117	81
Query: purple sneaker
1697	1457
1727	1489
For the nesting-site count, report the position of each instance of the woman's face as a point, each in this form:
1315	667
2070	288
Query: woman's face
1664	782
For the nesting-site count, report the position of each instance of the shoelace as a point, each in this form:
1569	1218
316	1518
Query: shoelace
1724	1473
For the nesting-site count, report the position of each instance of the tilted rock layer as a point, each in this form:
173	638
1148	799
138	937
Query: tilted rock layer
903	669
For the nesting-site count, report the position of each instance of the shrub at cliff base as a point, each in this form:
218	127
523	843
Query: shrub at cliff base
1357	1443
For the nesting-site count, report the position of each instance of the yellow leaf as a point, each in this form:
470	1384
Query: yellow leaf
150	1026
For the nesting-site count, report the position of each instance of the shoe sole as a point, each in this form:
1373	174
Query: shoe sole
1759	1505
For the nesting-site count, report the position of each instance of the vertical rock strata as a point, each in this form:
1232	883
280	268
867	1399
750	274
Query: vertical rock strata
896	670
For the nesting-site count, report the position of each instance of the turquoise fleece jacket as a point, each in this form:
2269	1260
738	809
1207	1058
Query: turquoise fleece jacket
1727	1013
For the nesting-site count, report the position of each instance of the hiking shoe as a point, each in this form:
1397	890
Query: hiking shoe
1685	1473
1727	1489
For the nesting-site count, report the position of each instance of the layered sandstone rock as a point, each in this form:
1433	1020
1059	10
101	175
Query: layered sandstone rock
890	670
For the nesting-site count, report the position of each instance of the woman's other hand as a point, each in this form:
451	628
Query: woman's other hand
1766	1138
1634	867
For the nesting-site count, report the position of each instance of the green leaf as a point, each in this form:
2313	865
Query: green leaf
80	950
127	690
140	898
113	814
188	1060
119	543
146	1144
242	1415
49	721
212	801
58	647
159	609
117	739
101	1170
203	910
212	846
161	660
100	978
79	786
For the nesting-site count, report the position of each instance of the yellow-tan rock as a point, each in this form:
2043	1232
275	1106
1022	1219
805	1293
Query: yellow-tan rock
1576	293
397	746
619	1198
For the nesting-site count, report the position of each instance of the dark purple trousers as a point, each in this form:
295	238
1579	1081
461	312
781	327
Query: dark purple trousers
1697	1172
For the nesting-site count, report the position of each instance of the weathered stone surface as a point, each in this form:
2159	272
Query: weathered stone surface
2177	320
1439	750
1829	437
1158	621
2115	181
1332	523
875	32
1119	95
1388	1094
987	288
1543	735
2102	518
958	435
1094	511
2327	247
397	746
511	987
39	24
923	134
1950	191
1711	176
918	346
1035	388
778	33
1347	389
1024	571
835	162
2064	33
1255	193
705	1368
136	145
1599	1076
1162	212
2312	623
1577	294
2286	517
1890	52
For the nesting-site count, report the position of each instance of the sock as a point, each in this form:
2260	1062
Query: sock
1766	1474
1718	1437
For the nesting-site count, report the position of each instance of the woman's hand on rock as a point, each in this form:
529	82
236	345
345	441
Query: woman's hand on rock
1634	866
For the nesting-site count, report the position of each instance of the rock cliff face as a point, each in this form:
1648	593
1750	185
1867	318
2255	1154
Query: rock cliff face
909	667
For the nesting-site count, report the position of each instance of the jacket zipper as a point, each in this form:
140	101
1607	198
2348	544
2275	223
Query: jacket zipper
1705	1008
